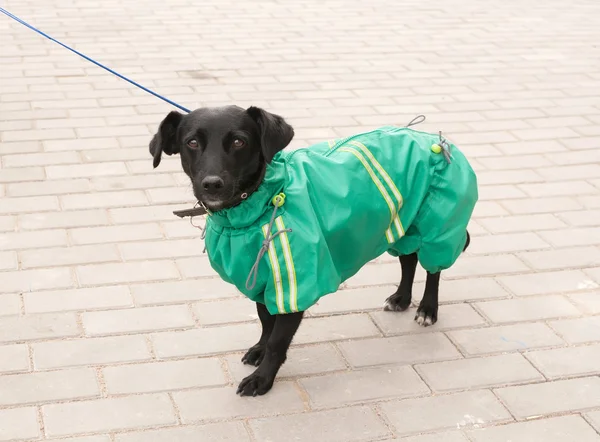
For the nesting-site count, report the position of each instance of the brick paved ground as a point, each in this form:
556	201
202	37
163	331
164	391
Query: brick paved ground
114	328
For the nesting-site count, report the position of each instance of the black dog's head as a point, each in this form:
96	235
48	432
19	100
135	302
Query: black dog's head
223	150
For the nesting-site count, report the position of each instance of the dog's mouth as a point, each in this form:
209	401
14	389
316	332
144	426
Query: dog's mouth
218	202
213	204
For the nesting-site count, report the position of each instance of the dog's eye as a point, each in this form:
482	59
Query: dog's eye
237	143
192	144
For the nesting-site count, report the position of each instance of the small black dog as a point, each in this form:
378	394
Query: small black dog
225	152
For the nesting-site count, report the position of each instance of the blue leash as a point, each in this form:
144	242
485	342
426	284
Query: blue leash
24	23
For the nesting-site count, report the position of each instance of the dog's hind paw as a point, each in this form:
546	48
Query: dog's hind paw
396	303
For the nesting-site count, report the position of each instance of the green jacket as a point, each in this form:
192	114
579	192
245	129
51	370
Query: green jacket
346	202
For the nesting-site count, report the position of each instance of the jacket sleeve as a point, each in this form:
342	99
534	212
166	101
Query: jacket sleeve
300	267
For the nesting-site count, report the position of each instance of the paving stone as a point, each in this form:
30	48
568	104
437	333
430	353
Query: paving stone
161	249
21	174
301	361
225	311
63	256
594	419
96	351
10	305
547	282
475	373
594	273
19	424
93	298
182	291
469	289
86	170
137	215
353	300
164	376
558	189
552	204
126	272
528	309
131	182
526	401
564	362
206	341
587	302
14	359
377	274
449	317
29	240
217	403
104	415
112	234
576	331
125	198
335	328
48	187
363	385
350	424
575	257
521	223
31	388
195	267
33	327
460	410
581	217
104	438
7	223
504	338
509	242
136	320
219	432
450	436
409	349
55	220
556	429
467	266
580	236
174	230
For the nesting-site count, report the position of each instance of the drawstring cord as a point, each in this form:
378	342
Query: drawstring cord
417	120
278	201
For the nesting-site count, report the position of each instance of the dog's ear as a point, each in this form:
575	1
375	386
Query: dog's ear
275	133
165	139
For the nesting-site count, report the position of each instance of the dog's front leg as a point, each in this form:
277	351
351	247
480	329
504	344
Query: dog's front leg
275	353
256	353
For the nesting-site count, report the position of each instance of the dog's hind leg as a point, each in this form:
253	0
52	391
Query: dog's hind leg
400	300
428	307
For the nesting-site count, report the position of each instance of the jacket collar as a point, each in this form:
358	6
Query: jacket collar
252	208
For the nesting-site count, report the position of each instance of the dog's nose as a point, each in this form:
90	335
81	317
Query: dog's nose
212	183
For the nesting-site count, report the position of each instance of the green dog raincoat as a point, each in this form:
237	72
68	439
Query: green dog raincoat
323	212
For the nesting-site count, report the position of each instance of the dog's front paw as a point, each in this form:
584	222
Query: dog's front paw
254	355
426	315
256	384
